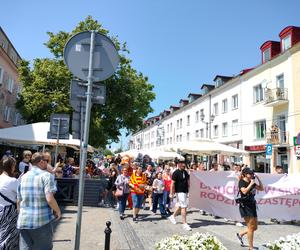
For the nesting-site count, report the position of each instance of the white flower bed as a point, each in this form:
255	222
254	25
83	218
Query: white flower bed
290	242
197	241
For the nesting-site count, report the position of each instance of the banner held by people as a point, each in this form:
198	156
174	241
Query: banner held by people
215	192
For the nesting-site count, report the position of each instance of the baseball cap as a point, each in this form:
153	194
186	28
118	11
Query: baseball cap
247	171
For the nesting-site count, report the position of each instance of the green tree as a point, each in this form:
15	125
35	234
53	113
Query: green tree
129	93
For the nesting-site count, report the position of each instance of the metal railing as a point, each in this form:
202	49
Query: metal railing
277	94
277	137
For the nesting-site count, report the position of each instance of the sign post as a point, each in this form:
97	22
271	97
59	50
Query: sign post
91	57
269	149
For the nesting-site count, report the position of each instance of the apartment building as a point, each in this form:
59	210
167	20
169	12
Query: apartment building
9	83
259	106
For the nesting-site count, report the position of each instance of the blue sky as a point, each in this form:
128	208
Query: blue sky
178	44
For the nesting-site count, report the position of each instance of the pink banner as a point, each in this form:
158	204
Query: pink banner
214	192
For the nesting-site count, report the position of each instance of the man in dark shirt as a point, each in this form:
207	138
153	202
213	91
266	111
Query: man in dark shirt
180	186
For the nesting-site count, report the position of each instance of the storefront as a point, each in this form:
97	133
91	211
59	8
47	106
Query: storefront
258	160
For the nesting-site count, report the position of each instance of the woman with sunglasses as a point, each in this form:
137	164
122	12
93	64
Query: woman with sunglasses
247	189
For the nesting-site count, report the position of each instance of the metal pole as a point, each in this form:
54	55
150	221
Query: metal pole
57	142
107	232
85	141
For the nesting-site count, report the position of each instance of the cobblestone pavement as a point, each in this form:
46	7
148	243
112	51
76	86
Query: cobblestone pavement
144	234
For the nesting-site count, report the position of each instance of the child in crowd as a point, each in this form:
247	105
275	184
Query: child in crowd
158	187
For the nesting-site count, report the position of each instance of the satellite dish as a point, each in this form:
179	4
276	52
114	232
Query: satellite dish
105	57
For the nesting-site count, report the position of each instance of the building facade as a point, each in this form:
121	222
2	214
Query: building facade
9	83
259	106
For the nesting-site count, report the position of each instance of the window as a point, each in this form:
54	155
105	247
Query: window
224	106
202	133
167	140
10	85
188	120
219	82
197	133
180	123
180	138
235	127
168	128
16	120
280	81
216	109
286	43
260	129
171	127
177	138
187	136
170	140
197	116
257	93
224	129
177	124
216	131
267	55
235	102
6	116
152	134
1	75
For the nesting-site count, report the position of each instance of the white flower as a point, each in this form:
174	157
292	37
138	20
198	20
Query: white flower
197	241
290	242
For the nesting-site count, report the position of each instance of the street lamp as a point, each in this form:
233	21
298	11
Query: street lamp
208	124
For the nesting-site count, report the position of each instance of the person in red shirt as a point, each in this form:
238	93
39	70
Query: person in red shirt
167	177
137	183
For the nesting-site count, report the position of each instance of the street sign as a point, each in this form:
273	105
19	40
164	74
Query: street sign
269	151
78	121
59	126
78	92
77	54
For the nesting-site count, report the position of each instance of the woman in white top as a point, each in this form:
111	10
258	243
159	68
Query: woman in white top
9	235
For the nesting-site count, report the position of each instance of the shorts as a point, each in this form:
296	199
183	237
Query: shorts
248	210
137	200
182	200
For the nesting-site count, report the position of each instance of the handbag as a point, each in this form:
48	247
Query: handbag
119	192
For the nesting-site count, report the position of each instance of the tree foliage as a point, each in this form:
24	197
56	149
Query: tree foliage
128	92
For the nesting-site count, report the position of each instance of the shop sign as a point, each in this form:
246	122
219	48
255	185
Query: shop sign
256	148
297	140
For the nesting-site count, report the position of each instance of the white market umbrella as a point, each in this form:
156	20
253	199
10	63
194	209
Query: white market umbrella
163	155
198	147
133	153
36	134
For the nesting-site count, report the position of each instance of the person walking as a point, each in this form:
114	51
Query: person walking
247	206
9	235
180	186
122	185
138	181
158	193
167	178
38	207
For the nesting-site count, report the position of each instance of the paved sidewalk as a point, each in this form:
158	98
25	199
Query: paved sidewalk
127	234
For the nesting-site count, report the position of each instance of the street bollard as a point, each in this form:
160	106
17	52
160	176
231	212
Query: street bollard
107	232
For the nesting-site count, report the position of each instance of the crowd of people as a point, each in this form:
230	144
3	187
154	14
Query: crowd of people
28	206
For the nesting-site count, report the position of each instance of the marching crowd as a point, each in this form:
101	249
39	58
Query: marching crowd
28	206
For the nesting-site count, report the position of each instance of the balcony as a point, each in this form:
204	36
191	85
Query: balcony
277	137
275	97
